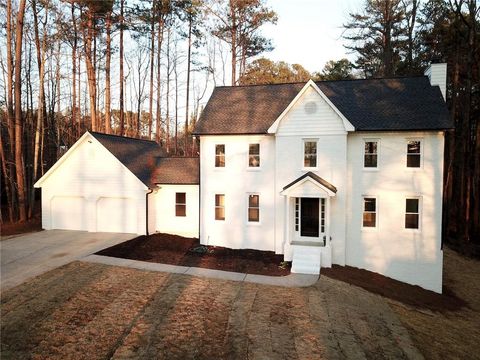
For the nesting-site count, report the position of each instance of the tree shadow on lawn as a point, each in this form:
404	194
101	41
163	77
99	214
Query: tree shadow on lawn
178	250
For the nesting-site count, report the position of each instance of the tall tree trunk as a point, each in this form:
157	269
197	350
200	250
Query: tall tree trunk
233	15
189	56
91	74
6	177
158	124
18	113
167	114
122	116
41	52
74	133
108	123
152	54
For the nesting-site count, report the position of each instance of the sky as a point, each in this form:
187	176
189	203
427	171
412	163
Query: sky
308	32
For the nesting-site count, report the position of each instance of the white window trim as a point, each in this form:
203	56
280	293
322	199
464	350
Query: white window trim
253	168
420	212
253	223
224	207
377	212
422	144
304	168
377	168
219	168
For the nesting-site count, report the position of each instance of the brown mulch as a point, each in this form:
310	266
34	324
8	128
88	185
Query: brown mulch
177	250
32	225
396	290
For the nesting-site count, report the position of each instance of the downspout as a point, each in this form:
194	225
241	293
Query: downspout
146	208
199	195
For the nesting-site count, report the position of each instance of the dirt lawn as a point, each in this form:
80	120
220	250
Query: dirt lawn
94	311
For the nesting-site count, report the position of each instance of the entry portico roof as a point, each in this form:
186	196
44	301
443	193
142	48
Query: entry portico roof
322	182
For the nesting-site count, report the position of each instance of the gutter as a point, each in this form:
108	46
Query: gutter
146	209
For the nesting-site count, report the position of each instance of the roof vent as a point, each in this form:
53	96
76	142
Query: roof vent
311	107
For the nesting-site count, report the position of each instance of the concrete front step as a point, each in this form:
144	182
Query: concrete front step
306	259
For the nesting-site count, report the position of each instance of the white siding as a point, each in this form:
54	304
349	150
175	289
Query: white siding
407	255
91	172
166	221
311	115
236	180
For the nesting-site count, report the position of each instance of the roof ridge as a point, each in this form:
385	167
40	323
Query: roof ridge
323	81
123	137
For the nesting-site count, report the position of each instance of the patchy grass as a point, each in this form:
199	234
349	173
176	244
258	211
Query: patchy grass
94	311
178	250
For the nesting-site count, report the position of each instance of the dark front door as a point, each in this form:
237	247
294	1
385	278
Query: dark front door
309	217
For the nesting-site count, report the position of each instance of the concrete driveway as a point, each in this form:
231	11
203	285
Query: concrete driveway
29	255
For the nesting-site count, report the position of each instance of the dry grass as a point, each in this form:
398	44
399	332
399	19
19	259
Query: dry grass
454	334
93	311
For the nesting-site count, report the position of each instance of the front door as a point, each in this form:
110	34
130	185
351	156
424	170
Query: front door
309	222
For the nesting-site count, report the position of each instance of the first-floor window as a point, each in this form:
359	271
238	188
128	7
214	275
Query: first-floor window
180	204
369	212
219	207
253	208
412	213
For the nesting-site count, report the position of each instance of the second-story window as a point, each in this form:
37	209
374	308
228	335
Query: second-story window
370	157
310	153
220	155
254	155
414	153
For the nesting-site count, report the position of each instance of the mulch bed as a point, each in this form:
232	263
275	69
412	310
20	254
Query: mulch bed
396	290
177	250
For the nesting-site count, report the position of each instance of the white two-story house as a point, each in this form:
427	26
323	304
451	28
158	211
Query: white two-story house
337	172
342	172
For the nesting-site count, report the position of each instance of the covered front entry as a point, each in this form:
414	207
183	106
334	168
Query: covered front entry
307	219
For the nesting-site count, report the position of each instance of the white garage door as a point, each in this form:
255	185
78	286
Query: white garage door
69	213
116	215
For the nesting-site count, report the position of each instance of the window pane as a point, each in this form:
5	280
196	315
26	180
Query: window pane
219	213
413	160
411	221
310	160
370	161
180	210
254	149
180	198
370	147
370	204
254	160
412	205
413	147
310	154
219	200
253	200
253	214
369	219
220	149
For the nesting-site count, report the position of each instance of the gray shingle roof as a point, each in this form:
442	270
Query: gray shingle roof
315	177
373	104
139	156
177	170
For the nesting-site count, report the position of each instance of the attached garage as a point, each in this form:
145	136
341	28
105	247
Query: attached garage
101	185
